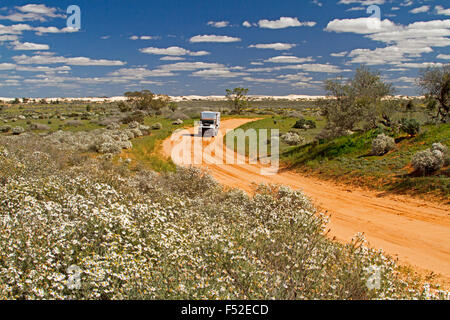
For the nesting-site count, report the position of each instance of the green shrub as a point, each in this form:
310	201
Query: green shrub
304	124
157	126
410	126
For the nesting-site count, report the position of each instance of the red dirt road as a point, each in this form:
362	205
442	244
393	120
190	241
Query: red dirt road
415	231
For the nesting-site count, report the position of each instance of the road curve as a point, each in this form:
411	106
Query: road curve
416	232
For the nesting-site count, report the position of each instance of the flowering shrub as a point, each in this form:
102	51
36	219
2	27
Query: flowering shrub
382	144
292	139
431	160
171	236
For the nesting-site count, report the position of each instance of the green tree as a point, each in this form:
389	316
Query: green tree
237	98
355	101
434	83
147	100
173	106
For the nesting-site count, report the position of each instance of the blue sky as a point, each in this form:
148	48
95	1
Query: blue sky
203	47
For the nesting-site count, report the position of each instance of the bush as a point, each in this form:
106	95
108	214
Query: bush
73	123
138	116
304	124
178	115
428	161
410	126
18	130
292	139
170	236
157	126
442	148
39	126
5	128
382	144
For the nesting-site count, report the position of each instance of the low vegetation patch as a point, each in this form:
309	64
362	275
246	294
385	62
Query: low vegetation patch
139	235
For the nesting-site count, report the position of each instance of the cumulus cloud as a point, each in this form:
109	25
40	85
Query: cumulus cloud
363	2
29	46
246	24
171	58
442	11
76	61
339	54
284	22
444	56
33	12
218	24
172	51
404	43
17	29
421	9
289	59
140	73
218	73
213	38
7	66
275	46
142	38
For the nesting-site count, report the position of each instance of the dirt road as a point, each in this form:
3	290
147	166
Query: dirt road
416	232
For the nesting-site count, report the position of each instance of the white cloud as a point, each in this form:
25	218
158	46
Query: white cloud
246	24
289	59
339	54
363	2
284	22
76	61
7	66
444	56
29	46
213	38
190	66
33	12
142	38
440	10
403	42
360	25
218	24
9	38
218	73
172	51
140	73
171	58
20	28
274	46
421	9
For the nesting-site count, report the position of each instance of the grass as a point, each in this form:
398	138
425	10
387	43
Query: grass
346	159
145	148
283	124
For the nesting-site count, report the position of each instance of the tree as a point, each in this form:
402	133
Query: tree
434	83
147	100
238	99
355	101
173	106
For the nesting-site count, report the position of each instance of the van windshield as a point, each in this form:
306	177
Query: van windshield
207	122
208	115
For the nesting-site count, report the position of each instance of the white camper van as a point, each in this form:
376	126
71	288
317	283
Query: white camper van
209	123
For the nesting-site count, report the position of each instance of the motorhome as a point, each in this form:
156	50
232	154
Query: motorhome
209	123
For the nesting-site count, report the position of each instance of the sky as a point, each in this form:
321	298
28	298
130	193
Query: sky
194	47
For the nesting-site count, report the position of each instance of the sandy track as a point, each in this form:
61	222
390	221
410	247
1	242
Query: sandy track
415	231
